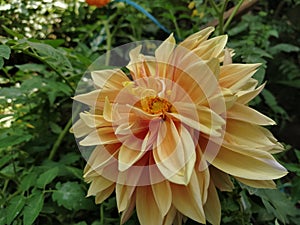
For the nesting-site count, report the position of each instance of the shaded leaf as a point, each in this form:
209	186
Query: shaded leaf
34	205
46	177
15	206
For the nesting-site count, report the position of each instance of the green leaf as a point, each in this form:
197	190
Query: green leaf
55	128
284	47
290	83
46	177
71	196
15	206
4	51
34	205
1	62
12	33
14	140
28	181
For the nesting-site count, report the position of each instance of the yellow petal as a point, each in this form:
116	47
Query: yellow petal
258	183
196	39
170	217
236	75
187	200
123	196
246	96
128	156
80	129
163	196
146	207
174	152
260	165
165	50
212	207
247	114
129	210
98	184
110	79
89	98
94	121
101	196
107	111
101	136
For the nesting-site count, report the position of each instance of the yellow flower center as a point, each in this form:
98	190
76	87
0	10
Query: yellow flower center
155	105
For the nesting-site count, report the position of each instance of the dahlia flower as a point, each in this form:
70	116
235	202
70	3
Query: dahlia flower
174	129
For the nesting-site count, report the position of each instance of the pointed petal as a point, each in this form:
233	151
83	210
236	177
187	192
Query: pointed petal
196	39
246	96
98	184
212	207
101	196
110	79
80	129
247	114
163	196
94	121
164	51
248	164
101	136
170	217
128	156
89	98
123	196
146	207
187	200
258	183
174	152
129	210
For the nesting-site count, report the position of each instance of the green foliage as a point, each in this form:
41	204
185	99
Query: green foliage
45	48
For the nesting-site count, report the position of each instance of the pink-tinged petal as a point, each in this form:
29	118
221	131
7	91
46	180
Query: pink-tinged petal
163	196
212	207
246	96
170	217
200	118
100	157
80	128
98	184
246	114
196	39
260	165
220	179
101	136
101	196
174	152
258	183
146	207
110	79
94	121
128	156
123	195
129	210
236	75
188	199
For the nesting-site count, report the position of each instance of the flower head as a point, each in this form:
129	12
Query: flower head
174	129
98	3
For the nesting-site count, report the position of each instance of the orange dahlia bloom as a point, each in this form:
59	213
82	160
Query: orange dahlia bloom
98	3
174	129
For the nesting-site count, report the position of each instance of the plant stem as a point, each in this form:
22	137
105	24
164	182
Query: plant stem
221	17
214	5
108	42
233	14
59	139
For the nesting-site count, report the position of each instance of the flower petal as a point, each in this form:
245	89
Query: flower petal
102	195
220	179
101	136
258	183
110	79
174	152
247	114
163	196
260	165
188	200
212	207
80	128
98	184
196	39
146	207
123	196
